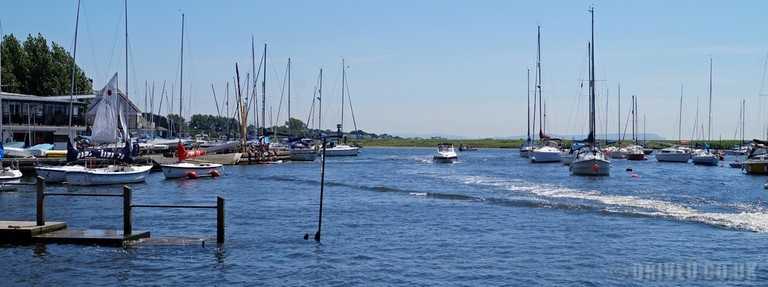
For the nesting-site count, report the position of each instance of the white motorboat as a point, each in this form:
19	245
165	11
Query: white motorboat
333	149
545	154
590	161
673	154
191	170
56	174
113	174
705	157
445	154
9	174
635	152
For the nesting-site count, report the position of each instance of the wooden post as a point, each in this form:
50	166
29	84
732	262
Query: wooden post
219	220
322	185
40	198
127	227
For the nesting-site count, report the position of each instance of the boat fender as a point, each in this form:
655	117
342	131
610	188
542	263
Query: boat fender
215	173
192	175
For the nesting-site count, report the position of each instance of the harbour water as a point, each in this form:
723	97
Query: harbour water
392	217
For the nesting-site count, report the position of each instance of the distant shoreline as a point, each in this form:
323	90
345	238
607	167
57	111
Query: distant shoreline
508	144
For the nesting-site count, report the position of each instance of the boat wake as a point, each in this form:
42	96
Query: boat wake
747	219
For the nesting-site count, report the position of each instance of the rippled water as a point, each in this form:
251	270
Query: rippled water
392	217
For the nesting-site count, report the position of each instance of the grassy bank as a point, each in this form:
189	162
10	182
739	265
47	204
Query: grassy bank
497	143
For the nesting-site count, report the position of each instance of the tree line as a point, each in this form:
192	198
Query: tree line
34	68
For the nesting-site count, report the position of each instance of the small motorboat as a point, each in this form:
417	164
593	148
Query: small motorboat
445	154
635	152
9	174
464	147
190	169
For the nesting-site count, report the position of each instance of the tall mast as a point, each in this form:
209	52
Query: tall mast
592	80
538	78
618	127
126	50
2	134
74	66
634	138
264	94
607	94
289	96
709	120
256	125
680	117
320	104
528	94
181	75
343	80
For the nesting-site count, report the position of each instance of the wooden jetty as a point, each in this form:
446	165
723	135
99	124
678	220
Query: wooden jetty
40	231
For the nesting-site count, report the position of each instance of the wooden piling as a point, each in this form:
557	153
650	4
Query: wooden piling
39	204
127	226
322	186
219	220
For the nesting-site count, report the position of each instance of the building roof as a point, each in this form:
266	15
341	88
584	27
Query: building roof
33	98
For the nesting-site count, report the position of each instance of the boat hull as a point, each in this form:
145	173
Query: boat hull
591	167
55	174
171	171
9	174
544	157
673	157
341	152
705	160
443	159
636	156
101	176
303	155
756	166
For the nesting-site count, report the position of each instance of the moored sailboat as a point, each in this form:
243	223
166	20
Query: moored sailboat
705	156
590	159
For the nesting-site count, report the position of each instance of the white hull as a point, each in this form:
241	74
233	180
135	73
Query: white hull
109	175
618	154
705	159
525	151
341	151
303	155
9	174
444	159
673	157
56	174
592	167
186	169
545	156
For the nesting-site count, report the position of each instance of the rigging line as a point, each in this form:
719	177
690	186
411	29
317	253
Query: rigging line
349	100
282	91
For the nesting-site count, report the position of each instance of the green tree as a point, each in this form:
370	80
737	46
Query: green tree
35	68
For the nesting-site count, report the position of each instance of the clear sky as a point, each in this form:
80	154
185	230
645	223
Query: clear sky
424	67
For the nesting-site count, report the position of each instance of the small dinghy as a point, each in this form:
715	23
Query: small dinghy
188	169
445	154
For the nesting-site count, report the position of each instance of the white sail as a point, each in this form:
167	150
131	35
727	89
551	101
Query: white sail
105	123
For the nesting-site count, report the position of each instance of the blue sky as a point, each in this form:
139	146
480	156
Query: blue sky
423	67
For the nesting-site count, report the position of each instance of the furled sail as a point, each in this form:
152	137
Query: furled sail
105	123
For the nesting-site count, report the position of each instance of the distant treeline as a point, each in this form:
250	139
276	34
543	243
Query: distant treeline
34	68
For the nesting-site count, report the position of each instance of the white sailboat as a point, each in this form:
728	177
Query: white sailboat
705	156
676	153
184	168
340	148
590	160
300	150
548	149
109	118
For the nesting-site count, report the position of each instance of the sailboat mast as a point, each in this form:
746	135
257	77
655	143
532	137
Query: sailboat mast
126	49
320	104
181	76
680	117
709	120
2	134
618	126
634	123
592	80
528	95
264	94
343	81
289	97
74	67
538	78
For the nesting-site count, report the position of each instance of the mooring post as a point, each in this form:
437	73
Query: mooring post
127	227
219	220
322	185
40	198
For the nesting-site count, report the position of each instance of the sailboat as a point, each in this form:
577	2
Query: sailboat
635	151
300	149
677	153
705	156
57	174
184	168
339	148
617	152
549	148
109	118
527	147
590	160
